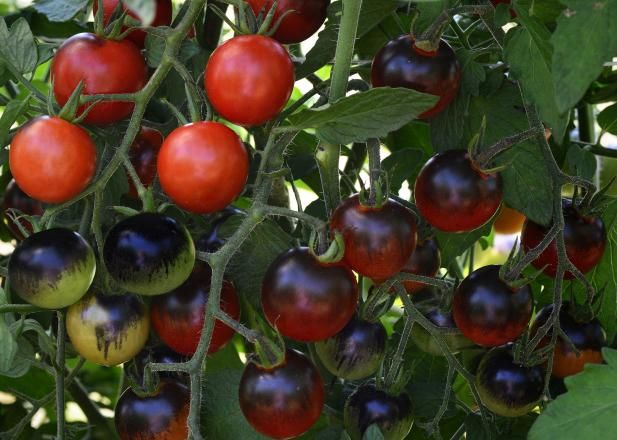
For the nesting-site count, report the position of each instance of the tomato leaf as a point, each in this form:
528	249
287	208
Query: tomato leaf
607	119
581	162
13	110
144	9
17	46
403	165
453	245
60	10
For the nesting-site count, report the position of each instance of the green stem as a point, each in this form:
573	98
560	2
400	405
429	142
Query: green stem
327	158
59	377
344	48
315	222
80	396
586	123
20	308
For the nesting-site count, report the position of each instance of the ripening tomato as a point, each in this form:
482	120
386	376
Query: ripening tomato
249	79
425	260
143	154
16	199
104	66
508	221
203	166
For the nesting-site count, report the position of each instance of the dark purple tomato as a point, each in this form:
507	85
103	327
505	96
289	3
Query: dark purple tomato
401	64
284	401
507	388
584	235
212	240
368	405
15	198
378	240
356	352
488	311
425	260
143	154
453	195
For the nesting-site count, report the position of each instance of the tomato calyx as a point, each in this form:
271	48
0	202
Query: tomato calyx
333	254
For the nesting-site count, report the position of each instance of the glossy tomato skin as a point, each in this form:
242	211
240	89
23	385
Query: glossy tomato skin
305	299
506	388
203	166
162	17
178	316
400	64
142	154
508	221
108	329
425	260
587	337
52	269
249	79
356	352
162	416
378	241
306	18
63	155
453	195
284	401
488	311
585	238
368	405
15	198
149	253
105	66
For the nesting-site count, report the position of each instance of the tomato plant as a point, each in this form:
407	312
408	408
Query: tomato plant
143	154
16	199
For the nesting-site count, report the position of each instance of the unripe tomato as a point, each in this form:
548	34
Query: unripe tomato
425	260
15	198
249	79
108	329
51	159
203	166
508	221
104	66
142	154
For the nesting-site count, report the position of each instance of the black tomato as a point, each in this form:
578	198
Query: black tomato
15	198
143	154
425	260
488	311
284	401
453	195
212	240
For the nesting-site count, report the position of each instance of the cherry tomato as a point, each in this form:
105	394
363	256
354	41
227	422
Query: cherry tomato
212	241
62	154
52	269
162	17
143	154
507	388
104	66
249	79
178	316
425	260
488	311
16	199
108	329
368	405
378	241
284	401
584	235
401	64
149	254
587	337
305	299
453	195
508	221
203	166
356	352
303	19
162	416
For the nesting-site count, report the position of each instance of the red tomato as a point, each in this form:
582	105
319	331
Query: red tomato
425	260
203	166
15	198
51	159
143	155
105	66
249	79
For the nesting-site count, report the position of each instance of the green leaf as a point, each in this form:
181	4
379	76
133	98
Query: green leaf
607	119
60	10
587	410
17	46
453	245
9	347
373	433
36	383
155	46
581	162
13	110
403	165
373	113
144	9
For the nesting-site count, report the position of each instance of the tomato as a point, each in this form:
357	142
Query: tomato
212	241
284	401
425	260
401	64
378	241
16	199
507	388
149	254
488	311
249	79
178	316
162	17
584	235
453	195
307	300
63	155
369	405
105	66
203	166
508	221
303	19
143	154
587	337
108	329
356	352
162	416
52	269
